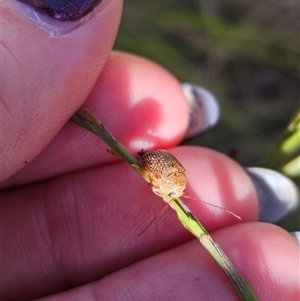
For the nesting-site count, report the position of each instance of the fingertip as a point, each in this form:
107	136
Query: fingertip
267	256
215	178
140	102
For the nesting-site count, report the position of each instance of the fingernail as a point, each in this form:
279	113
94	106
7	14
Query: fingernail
277	194
204	109
56	17
296	235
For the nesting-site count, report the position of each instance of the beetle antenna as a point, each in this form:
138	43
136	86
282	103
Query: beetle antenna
219	207
154	219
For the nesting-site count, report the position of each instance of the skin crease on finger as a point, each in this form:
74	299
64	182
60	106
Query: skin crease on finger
83	231
45	81
152	113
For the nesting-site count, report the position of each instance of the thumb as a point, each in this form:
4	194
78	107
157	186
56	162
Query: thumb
49	66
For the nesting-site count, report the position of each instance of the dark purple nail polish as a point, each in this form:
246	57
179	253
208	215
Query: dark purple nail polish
70	10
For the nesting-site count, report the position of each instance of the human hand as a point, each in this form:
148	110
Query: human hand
70	219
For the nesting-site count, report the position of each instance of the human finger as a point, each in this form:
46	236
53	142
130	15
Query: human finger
139	102
188	272
86	225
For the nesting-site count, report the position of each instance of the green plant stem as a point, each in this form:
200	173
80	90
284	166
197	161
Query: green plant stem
279	156
89	121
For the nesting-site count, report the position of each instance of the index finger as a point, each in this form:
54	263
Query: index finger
141	103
